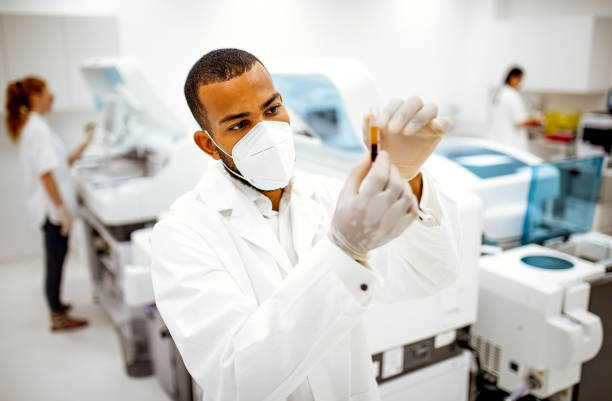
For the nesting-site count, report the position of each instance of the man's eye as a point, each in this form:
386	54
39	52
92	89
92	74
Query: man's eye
239	126
273	109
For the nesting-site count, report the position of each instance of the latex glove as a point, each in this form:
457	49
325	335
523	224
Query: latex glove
409	131
381	210
64	219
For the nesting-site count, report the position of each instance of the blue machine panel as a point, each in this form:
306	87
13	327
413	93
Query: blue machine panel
112	75
482	162
562	198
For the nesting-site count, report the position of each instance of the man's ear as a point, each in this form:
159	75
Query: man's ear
206	144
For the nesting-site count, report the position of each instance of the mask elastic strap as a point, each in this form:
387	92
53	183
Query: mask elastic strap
218	147
228	155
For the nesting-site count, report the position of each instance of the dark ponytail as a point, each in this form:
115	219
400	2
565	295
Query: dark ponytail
18	103
514	71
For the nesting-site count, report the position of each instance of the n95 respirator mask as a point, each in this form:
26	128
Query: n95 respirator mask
265	156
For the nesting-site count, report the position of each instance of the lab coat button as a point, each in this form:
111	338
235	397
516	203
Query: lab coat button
364	287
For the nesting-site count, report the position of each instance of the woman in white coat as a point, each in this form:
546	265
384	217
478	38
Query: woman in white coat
509	118
50	196
262	276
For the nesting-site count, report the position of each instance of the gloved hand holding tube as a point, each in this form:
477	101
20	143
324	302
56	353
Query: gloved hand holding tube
370	215
409	132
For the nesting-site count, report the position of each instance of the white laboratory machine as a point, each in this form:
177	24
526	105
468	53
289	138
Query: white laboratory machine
143	156
498	174
542	326
538	319
414	344
141	159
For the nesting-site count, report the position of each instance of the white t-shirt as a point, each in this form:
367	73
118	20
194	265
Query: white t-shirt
41	151
508	111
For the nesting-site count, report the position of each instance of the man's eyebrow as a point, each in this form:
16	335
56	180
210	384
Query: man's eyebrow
267	103
233	117
246	114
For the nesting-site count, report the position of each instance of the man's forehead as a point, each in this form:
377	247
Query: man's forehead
237	95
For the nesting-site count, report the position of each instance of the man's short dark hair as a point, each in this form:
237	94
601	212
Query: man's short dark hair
216	66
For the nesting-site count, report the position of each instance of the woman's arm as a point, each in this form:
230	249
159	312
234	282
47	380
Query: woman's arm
52	191
78	152
51	188
532	121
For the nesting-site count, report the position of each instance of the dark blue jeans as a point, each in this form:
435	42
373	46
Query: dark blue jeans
56	247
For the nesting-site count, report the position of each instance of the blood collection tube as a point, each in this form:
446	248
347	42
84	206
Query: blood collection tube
374	131
374	135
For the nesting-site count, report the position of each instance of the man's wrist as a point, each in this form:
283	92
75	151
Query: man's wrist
416	184
338	239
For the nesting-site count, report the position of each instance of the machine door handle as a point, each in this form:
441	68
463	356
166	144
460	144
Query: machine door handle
592	329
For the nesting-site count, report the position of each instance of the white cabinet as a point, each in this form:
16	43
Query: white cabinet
601	53
52	47
571	54
84	38
33	45
3	77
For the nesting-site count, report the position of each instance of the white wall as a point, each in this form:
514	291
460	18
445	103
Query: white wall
440	49
601	51
551	8
52	47
409	46
445	50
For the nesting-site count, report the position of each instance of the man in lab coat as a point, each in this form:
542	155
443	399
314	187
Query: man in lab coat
263	276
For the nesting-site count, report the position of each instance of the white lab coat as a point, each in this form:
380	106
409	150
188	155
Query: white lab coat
508	111
244	332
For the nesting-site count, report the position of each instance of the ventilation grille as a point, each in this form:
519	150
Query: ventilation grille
489	353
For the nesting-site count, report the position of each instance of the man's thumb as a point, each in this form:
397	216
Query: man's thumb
358	173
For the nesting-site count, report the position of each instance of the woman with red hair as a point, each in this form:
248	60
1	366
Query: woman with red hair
51	198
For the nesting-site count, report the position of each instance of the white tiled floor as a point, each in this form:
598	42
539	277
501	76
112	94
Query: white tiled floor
38	365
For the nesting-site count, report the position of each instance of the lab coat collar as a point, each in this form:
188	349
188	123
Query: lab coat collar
37	117
218	190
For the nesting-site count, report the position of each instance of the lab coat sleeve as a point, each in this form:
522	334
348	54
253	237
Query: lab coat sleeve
425	258
515	108
40	153
235	348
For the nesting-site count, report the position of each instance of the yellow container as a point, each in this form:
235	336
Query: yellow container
558	121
